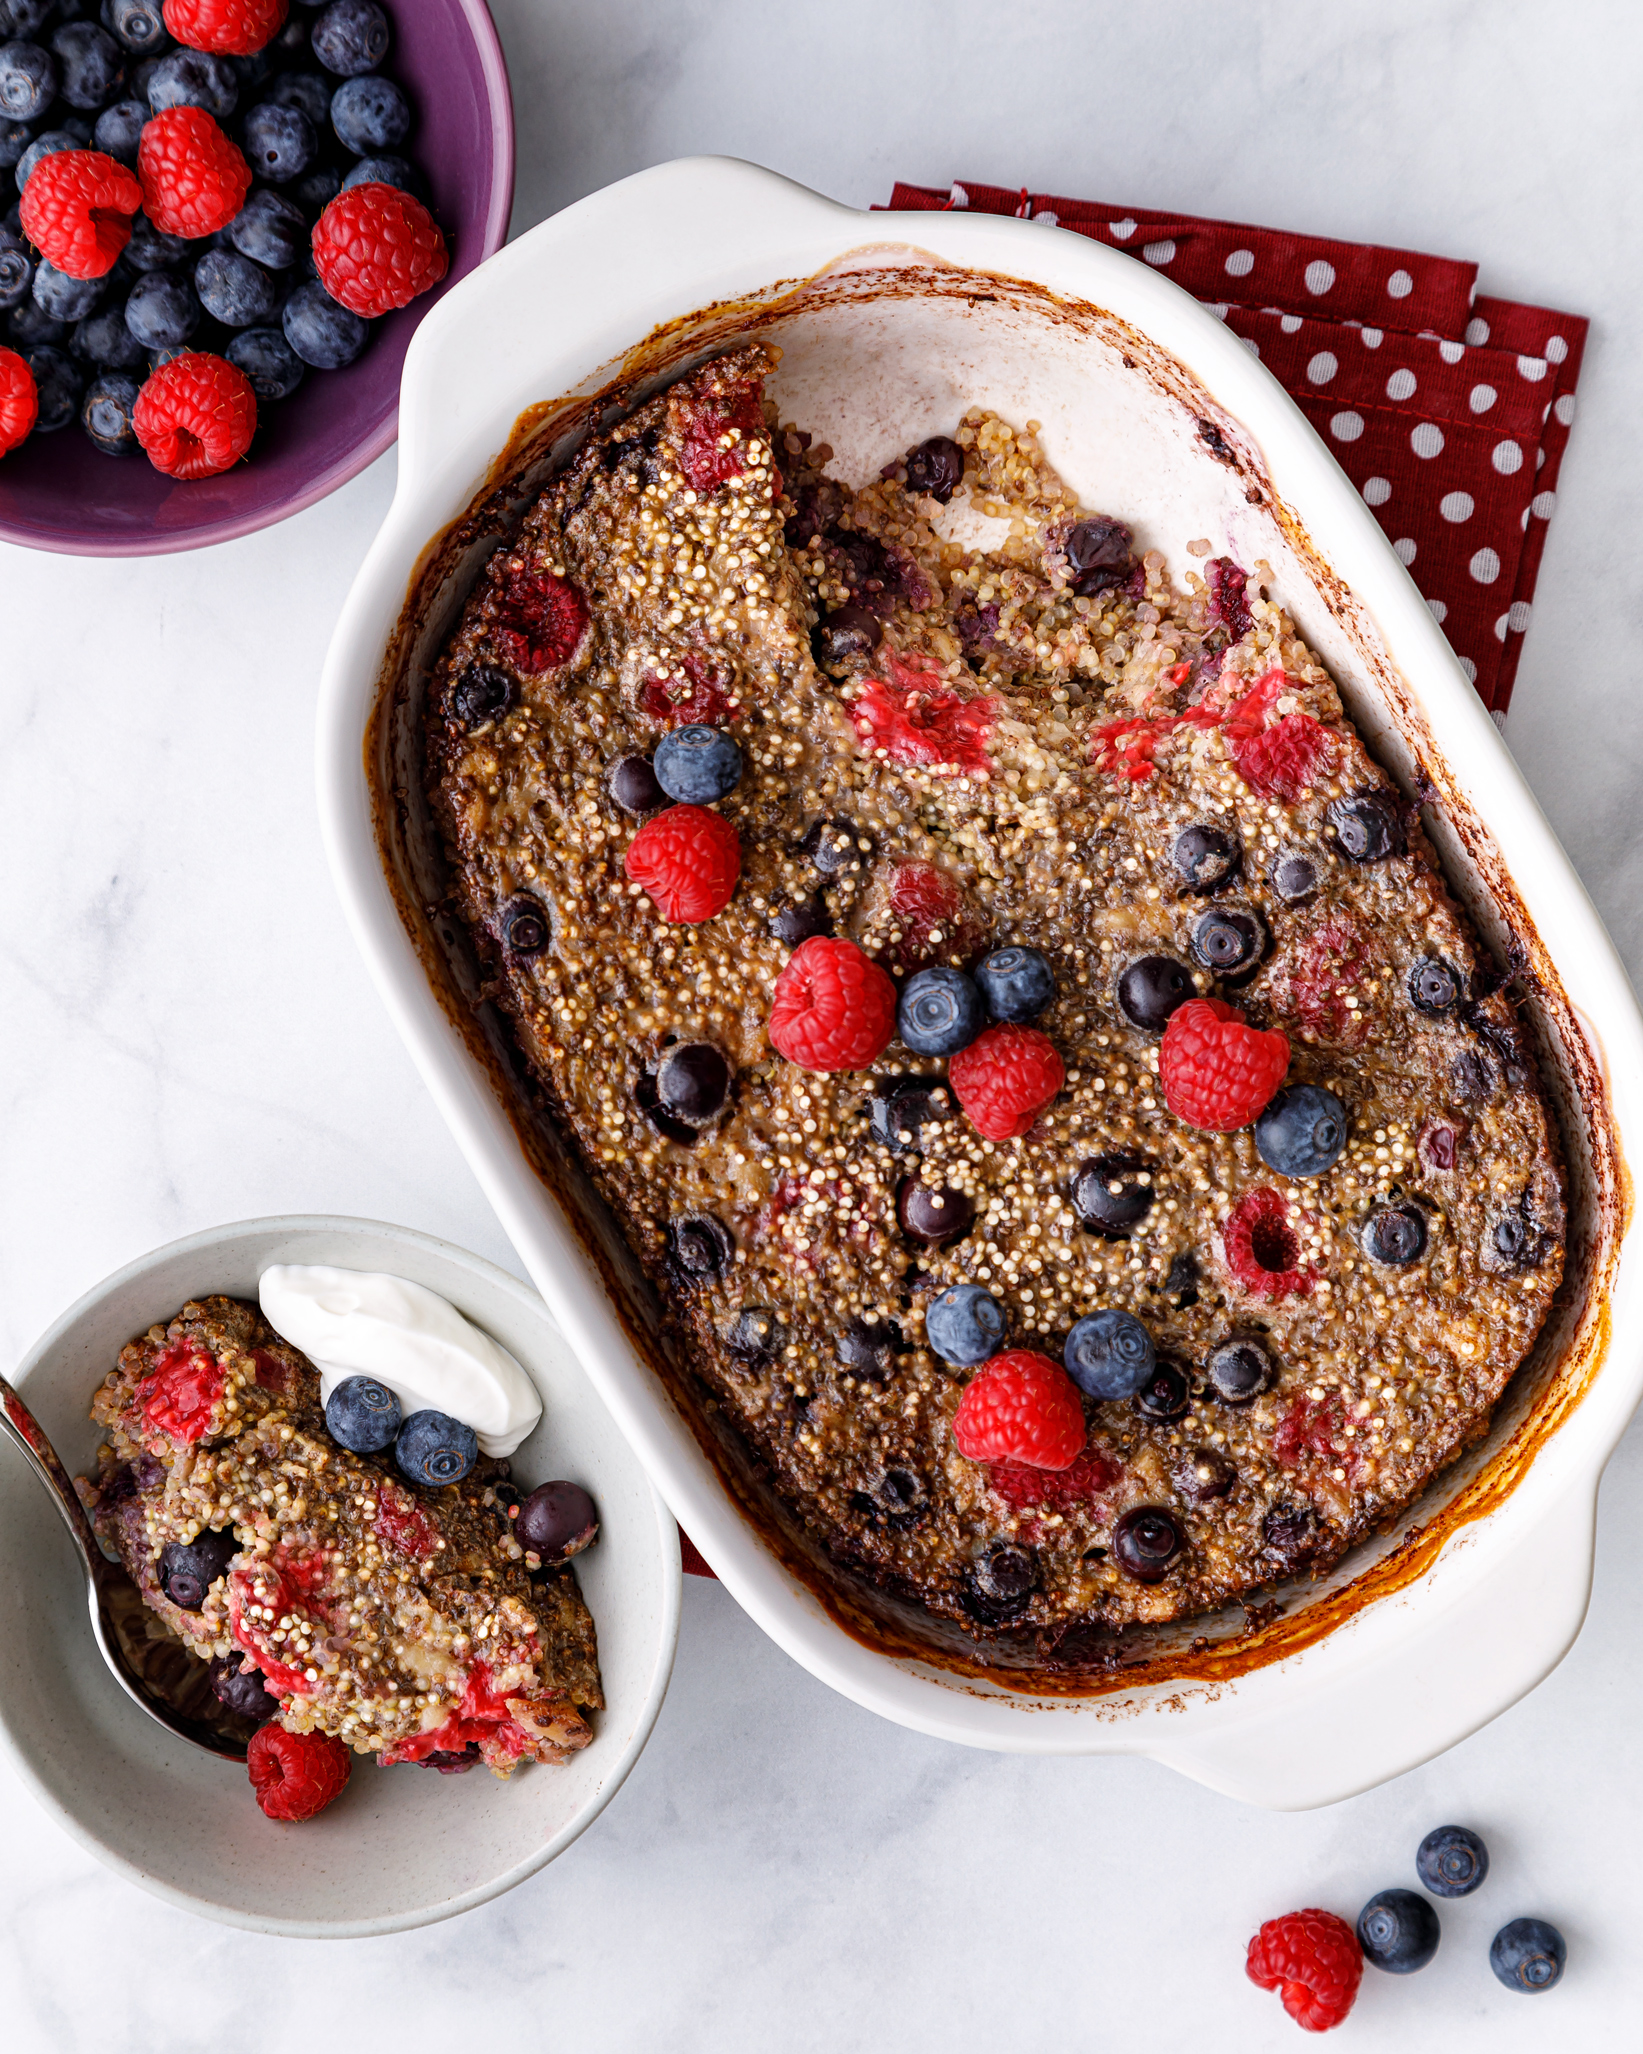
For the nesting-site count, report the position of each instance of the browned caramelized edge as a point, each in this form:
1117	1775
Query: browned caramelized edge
550	430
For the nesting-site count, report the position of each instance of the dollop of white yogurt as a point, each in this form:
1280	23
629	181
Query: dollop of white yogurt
362	1323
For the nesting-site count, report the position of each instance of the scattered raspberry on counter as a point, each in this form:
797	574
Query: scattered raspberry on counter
1312	1958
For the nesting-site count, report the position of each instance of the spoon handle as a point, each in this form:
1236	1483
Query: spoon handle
27	1435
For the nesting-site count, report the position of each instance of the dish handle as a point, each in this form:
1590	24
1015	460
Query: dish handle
1401	1706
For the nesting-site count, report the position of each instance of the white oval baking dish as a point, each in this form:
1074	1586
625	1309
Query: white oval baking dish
892	325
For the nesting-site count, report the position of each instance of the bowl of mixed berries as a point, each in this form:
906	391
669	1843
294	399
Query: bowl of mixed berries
220	221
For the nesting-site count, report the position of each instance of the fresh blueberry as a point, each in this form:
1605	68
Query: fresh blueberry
138	24
242	1689
46	145
964	1324
1146	1544
901	1106
1528	1955
933	1214
29	325
322	333
1302	1131
796	923
106	412
1294	877
187	1569
1366	826
433	1448
935	468
835	846
632	785
15	137
363	1415
315	191
91	66
1109	1354
1398	1931
194	78
1151	988
556	1521
524	926
163	311
1230	941
309	92
351	37
1098	554
251	68
119	129
394	171
80	126
370	115
1112	1193
233	290
1207	857
1017	984
269	362
940	1011
697	765
142	77
151	249
1239	1370
1434	985
23	17
279	142
65	298
1451	1861
28	81
845	633
16	271
1003	1579
1395	1235
269	229
59	383
865	1348
693	1081
1165	1395
700	1246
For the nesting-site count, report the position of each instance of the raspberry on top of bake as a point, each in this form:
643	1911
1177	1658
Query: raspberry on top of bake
842	880
402	1621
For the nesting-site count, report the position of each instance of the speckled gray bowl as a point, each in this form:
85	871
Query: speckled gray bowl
58	492
400	1847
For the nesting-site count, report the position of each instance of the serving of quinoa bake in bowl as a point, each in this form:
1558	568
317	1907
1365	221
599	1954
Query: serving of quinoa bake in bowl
1003	985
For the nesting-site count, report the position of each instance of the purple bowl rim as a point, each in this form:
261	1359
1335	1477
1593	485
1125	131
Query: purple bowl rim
499	99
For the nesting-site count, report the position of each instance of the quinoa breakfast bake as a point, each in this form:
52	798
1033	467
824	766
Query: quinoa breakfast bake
1024	1037
328	1594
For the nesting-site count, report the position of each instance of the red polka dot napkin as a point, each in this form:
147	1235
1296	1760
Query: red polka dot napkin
1448	410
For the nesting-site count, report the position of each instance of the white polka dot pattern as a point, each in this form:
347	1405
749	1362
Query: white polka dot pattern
1426	439
1320	276
1322	367
1485	566
1400	285
1346	426
1373	337
1401	385
1532	368
1456	506
1439	611
1481	398
1405	551
1159	252
1291	324
1556	349
1240	263
1564	408
1377	490
1518	615
1121	231
1451	352
1507	457
1542	504
1477	332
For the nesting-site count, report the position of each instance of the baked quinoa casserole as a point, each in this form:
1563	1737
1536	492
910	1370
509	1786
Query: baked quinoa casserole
1024	1037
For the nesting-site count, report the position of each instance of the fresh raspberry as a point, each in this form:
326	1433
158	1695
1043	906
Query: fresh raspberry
1005	1079
180	1393
1262	1249
537	620
1020	1407
195	416
1314	1959
194	179
834	1008
377	248
19	401
688	860
1216	1072
77	208
228	28
296	1775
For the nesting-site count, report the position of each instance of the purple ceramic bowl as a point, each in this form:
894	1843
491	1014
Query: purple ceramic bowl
58	492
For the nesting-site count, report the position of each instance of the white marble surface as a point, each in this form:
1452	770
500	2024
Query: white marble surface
185	1037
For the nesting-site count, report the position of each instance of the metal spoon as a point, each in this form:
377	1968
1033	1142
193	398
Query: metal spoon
157	1673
